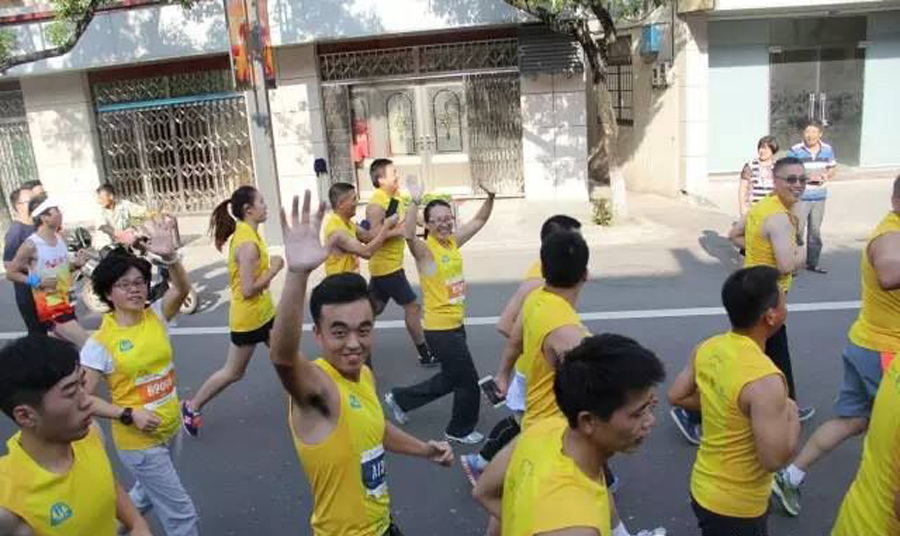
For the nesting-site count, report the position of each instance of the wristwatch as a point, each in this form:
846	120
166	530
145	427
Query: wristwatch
127	417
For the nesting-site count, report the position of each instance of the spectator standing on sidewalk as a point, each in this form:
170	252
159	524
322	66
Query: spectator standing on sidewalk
756	177
818	160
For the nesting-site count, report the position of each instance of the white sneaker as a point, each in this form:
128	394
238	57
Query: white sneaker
399	415
655	532
472	439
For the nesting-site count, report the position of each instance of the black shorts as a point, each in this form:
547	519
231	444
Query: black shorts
713	524
250	338
395	286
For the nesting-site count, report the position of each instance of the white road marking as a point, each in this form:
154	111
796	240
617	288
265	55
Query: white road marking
587	317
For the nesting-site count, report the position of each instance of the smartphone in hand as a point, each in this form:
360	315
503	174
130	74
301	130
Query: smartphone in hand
489	388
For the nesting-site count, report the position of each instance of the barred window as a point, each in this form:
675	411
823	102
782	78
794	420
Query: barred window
620	80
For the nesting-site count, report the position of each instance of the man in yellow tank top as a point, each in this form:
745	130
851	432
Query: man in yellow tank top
336	421
549	481
389	280
344	239
873	342
440	266
750	426
58	453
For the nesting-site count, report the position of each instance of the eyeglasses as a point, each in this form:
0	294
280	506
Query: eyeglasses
794	179
137	284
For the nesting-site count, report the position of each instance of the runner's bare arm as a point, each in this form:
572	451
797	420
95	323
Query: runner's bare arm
683	392
17	270
788	255
511	353
416	245
399	442
737	232
511	312
163	243
471	228
744	190
773	419
13	525
128	514
488	491
559	341
247	256
375	216
349	244
884	254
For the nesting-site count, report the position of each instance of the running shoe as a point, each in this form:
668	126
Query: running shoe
689	429
191	420
807	413
472	466
788	495
399	415
472	439
658	531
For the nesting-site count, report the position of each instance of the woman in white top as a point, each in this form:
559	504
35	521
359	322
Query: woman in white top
756	177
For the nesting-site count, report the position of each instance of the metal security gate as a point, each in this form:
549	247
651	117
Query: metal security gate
495	131
182	153
17	163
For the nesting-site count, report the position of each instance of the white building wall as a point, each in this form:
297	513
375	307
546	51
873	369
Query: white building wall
692	64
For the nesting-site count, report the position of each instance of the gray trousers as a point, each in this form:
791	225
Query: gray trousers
810	215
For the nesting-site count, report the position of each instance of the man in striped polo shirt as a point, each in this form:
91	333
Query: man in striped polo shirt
818	159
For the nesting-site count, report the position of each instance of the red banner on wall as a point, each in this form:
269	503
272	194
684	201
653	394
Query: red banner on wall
239	50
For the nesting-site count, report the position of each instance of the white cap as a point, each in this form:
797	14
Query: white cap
46	205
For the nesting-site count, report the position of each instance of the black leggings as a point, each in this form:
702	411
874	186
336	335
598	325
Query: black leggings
713	524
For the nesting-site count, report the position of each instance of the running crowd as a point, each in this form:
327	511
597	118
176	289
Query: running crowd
574	399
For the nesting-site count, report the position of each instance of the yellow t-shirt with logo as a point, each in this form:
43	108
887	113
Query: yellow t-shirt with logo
248	314
757	245
339	261
727	478
389	257
868	508
534	272
346	470
878	325
543	312
137	363
58	505
444	290
544	490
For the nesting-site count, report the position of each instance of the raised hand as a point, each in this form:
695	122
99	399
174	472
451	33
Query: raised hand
415	188
161	237
488	189
303	249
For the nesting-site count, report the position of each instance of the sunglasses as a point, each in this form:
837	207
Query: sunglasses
794	179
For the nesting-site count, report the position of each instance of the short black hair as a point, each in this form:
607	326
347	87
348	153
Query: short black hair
33	204
768	141
107	188
814	123
337	191
15	195
31	185
564	259
113	266
377	169
338	289
560	222
599	374
30	366
748	293
786	161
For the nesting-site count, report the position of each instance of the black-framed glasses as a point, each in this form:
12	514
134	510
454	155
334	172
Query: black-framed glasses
794	179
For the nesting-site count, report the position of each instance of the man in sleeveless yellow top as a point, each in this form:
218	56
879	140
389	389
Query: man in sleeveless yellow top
344	239
550	481
336	422
873	342
389	280
440	266
58	454
750	426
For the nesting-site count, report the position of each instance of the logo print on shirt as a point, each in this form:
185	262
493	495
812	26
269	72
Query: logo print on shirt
59	513
445	259
125	345
354	402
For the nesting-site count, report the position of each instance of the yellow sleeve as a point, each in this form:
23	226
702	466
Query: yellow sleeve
568	506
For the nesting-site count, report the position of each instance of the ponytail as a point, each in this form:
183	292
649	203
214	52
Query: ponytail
221	222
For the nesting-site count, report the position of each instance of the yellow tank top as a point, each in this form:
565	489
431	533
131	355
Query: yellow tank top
444	291
143	376
544	490
868	508
757	245
543	313
58	505
248	314
346	471
878	325
534	272
389	257
337	261
727	478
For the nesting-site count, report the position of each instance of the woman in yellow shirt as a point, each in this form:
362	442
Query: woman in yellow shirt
251	311
440	268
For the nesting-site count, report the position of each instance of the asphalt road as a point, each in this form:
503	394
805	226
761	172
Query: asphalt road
245	478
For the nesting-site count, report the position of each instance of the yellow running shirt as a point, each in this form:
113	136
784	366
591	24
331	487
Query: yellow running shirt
58	505
248	314
533	273
346	470
389	257
757	245
444	291
868	508
543	313
728	479
544	490
878	325
338	261
137	363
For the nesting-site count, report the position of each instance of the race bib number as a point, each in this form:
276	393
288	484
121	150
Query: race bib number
373	472
456	290
156	389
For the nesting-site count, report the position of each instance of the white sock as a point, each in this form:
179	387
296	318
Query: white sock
795	475
620	530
